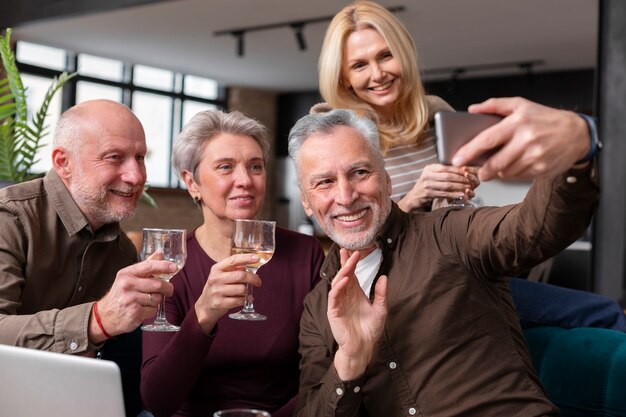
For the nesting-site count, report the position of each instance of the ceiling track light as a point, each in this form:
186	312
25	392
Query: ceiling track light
240	45
297	29
297	26
456	72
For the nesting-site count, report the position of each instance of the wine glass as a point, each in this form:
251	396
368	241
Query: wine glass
172	243
458	202
241	412
255	237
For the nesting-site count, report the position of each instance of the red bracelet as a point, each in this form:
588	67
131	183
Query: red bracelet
95	313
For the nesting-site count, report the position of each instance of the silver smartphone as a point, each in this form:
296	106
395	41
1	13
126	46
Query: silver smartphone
455	129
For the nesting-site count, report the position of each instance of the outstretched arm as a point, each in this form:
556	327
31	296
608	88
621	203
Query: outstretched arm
537	141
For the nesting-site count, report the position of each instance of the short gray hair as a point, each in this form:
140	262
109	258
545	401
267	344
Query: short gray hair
203	127
326	123
67	132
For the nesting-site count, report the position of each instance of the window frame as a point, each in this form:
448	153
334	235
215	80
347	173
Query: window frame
128	87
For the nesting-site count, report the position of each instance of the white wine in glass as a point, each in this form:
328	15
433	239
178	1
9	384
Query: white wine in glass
254	237
172	243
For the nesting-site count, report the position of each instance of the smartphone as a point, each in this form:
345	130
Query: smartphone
455	129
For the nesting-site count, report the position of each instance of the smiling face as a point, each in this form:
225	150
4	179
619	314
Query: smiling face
345	187
230	178
106	174
370	69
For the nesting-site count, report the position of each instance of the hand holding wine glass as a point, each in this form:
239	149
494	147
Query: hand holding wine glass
255	237
172	244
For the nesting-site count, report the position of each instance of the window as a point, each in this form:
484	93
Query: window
155	113
108	69
190	108
86	91
201	87
156	95
153	78
44	56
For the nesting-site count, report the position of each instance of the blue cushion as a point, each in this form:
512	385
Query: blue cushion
583	369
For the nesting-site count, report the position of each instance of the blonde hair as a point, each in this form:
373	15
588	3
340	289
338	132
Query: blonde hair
410	113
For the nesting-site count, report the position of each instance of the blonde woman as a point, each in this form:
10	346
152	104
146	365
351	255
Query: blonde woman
368	63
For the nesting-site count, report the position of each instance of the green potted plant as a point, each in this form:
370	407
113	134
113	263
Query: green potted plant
20	139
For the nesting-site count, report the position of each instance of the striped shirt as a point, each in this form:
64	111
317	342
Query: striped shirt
405	164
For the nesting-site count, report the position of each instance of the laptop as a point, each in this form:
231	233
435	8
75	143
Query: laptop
34	383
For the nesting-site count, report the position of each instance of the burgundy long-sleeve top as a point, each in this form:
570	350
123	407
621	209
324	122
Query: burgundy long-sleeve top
242	364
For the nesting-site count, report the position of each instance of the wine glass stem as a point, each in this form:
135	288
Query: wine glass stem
248	307
160	317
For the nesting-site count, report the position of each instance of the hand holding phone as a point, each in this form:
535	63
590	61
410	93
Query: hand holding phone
455	129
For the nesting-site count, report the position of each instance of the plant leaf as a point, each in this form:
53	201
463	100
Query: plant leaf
21	138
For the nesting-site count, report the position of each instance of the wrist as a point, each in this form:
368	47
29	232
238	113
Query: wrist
205	321
596	144
404	205
351	367
97	330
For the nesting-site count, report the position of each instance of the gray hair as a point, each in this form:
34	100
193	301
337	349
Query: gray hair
67	132
326	123
203	127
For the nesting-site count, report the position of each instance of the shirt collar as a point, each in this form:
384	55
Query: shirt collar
70	214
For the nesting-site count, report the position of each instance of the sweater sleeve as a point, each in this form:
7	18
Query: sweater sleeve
508	240
172	362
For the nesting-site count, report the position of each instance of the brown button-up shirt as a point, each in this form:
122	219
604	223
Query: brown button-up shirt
52	267
452	343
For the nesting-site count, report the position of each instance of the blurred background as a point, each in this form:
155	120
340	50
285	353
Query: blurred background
168	59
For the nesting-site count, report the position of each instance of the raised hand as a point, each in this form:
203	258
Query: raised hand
225	288
356	323
537	141
441	182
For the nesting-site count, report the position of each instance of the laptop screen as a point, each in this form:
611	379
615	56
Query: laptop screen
37	383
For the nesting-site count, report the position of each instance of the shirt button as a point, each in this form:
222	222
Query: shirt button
392	365
571	180
412	411
73	345
80	289
389	240
357	389
339	391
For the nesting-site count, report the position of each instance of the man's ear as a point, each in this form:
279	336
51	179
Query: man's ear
61	162
388	179
305	204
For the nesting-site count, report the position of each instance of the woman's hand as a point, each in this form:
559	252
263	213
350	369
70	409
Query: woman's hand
441	181
225	288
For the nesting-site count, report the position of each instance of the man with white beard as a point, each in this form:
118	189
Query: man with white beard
412	315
